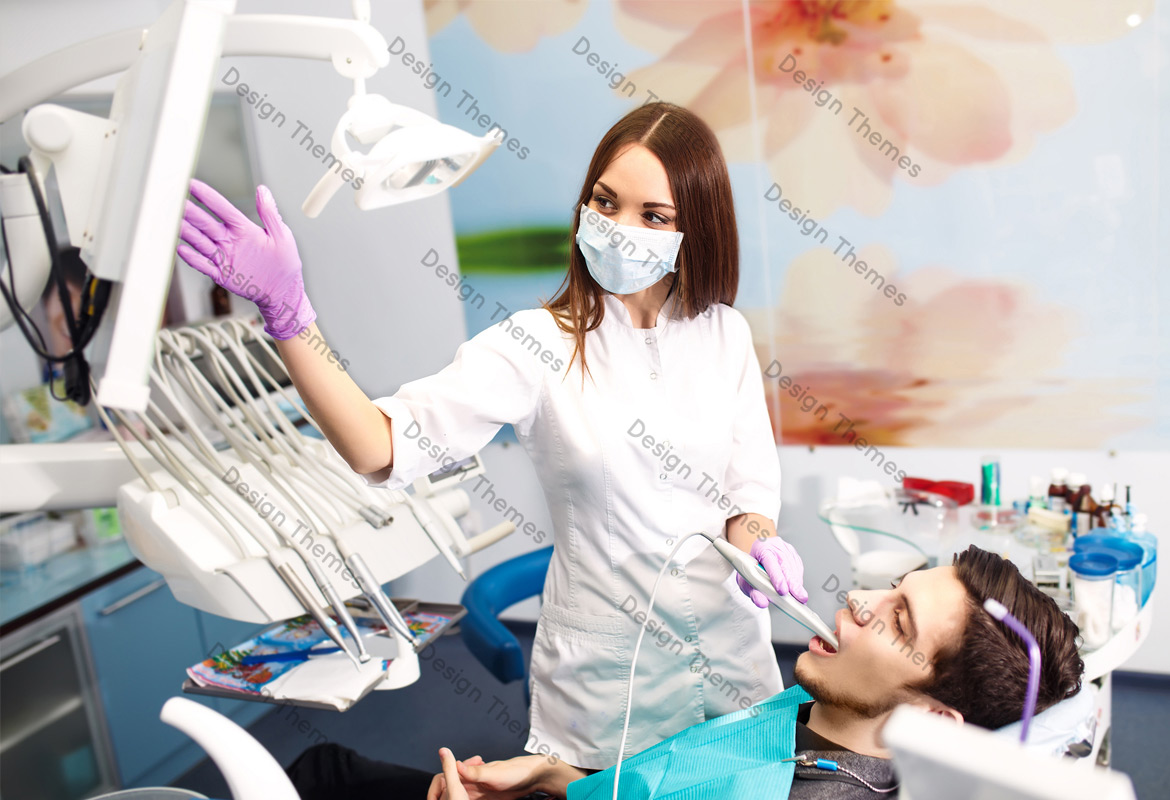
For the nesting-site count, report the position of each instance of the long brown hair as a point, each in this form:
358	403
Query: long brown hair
707	266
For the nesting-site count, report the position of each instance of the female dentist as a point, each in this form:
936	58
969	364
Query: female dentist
638	395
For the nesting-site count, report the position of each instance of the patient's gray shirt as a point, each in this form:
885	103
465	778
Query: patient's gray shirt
811	783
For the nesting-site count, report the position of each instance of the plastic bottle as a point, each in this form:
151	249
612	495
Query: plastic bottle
1081	503
1057	488
1149	543
1036	494
1106	505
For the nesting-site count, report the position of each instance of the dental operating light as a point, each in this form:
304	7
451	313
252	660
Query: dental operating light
413	155
123	179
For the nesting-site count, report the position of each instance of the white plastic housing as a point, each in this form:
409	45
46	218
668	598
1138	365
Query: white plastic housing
250	771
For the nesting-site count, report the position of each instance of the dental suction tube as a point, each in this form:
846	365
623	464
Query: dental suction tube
754	574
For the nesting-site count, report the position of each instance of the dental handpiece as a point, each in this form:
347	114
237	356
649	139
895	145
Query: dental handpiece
382	604
753	572
328	626
342	613
425	521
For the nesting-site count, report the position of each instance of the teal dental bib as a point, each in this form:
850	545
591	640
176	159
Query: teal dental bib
736	755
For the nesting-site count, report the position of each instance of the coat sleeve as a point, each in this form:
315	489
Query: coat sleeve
753	471
495	379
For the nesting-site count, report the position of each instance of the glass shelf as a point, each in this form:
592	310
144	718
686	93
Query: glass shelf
920	520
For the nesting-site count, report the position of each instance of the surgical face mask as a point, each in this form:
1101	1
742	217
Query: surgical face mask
625	259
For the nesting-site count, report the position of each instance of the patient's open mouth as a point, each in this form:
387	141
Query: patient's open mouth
821	647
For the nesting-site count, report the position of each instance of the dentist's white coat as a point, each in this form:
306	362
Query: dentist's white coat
618	508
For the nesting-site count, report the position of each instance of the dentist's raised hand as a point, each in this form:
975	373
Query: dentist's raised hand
784	567
257	263
262	265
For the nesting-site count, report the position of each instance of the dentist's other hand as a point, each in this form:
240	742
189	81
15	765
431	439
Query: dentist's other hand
784	567
502	780
258	264
449	786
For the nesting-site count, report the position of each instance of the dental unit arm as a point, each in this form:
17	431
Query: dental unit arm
122	184
276	523
123	180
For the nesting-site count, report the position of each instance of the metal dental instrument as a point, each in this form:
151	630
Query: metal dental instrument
323	584
427	522
358	568
160	451
280	562
370	587
241	446
292	442
754	573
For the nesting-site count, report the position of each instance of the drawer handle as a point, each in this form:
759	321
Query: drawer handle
30	652
133	597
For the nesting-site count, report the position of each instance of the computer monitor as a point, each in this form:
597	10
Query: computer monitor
159	109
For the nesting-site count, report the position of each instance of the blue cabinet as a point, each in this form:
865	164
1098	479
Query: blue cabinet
142	640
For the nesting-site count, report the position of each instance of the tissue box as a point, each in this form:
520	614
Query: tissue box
30	539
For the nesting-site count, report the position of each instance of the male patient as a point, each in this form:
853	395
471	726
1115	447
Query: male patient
926	642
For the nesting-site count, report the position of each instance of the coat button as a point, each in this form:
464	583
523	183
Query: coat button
649	340
653	376
674	573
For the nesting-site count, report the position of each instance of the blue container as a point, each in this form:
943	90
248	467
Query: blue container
1093	566
1148	543
1093	579
1129	555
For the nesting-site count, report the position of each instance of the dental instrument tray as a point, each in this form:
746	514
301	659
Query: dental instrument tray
304	673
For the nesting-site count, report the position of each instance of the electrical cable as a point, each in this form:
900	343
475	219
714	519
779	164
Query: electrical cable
828	764
95	298
634	660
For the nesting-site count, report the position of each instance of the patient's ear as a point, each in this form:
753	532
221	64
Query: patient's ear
947	711
935	707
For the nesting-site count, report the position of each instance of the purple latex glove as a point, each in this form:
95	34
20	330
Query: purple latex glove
784	567
258	264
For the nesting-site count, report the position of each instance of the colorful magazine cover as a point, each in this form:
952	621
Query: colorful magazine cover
225	670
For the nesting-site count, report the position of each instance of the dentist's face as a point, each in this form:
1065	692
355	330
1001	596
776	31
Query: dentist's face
633	190
888	642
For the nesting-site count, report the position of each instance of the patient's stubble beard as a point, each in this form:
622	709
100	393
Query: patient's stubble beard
822	693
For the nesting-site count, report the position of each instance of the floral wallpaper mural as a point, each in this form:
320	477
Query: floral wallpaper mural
948	212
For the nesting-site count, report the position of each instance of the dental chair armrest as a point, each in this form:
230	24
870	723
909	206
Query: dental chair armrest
502	586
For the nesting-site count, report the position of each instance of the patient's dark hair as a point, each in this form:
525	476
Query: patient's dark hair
985	677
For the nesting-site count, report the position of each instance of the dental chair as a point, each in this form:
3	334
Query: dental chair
493	592
250	771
